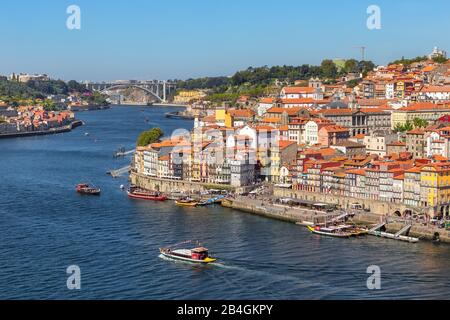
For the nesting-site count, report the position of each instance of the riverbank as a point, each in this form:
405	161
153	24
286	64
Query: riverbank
88	108
168	185
182	115
163	104
67	128
307	217
264	206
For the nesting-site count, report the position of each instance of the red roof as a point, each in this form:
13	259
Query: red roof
298	90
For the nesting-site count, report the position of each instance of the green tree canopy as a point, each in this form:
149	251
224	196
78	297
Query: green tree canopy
351	66
420	123
407	126
440	59
329	69
150	136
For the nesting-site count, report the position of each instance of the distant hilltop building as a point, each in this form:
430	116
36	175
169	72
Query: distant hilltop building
187	96
25	77
436	53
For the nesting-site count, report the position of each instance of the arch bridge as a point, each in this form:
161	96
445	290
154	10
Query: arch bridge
160	90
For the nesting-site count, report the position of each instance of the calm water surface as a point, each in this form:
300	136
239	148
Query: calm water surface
45	227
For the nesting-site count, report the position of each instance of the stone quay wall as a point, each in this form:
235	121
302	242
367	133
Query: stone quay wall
168	185
378	207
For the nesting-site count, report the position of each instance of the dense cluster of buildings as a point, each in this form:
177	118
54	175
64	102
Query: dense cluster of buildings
387	139
31	119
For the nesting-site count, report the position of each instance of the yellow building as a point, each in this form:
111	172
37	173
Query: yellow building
435	186
187	96
229	120
220	116
423	110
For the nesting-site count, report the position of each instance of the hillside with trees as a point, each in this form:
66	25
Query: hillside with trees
13	92
261	80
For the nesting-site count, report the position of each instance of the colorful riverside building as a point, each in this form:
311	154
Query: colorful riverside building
422	186
435	186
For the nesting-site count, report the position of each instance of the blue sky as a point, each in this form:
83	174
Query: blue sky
138	39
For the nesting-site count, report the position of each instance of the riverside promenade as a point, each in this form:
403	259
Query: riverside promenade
264	205
286	213
268	209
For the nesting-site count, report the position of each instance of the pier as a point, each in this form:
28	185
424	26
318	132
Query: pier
401	235
122	153
117	173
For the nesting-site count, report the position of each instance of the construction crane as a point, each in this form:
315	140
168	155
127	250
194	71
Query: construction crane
363	52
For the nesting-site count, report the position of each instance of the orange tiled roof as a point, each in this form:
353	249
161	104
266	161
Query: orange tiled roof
335	128
416	131
360	172
271	120
267	100
298	90
284	144
428	68
290	111
436	89
241	113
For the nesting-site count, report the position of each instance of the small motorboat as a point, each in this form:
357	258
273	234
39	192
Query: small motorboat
195	255
137	193
186	202
84	188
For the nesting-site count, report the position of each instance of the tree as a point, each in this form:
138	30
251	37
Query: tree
351	66
74	86
420	123
366	66
49	105
148	137
407	126
329	69
440	59
407	62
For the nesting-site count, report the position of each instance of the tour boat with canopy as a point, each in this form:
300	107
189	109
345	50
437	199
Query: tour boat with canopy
198	254
339	231
84	188
137	193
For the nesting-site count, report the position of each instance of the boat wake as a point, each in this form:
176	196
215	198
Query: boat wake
226	266
300	282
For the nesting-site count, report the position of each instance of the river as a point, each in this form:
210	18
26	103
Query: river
46	227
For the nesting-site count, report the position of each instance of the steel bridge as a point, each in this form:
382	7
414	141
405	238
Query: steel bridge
158	89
